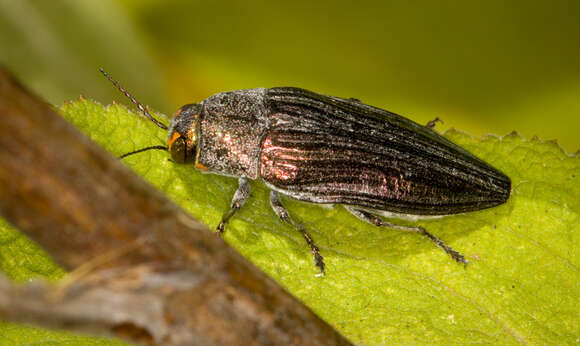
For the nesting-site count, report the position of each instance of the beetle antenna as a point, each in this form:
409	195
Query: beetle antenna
158	147
134	100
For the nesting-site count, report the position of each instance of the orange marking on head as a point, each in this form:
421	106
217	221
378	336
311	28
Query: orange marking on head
175	136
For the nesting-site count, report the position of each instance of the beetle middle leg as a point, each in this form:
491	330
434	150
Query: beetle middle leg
282	213
377	221
240	197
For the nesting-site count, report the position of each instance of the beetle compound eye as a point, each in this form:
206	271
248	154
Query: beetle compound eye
178	150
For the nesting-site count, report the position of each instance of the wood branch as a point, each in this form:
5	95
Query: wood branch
139	262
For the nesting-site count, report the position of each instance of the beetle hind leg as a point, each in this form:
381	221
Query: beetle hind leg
431	124
240	197
282	213
377	221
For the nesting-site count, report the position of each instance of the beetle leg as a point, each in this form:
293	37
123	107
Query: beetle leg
240	197
377	221
282	213
431	124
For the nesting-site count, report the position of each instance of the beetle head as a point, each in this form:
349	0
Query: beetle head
183	132
183	135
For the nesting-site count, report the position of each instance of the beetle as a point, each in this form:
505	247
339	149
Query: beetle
330	150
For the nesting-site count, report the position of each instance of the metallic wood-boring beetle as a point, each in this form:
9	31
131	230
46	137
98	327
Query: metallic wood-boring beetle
325	149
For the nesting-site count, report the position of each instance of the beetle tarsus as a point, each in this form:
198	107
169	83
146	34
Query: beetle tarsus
239	199
377	221
319	262
220	229
318	259
458	257
282	213
431	124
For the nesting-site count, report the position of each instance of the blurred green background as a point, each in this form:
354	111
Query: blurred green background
483	67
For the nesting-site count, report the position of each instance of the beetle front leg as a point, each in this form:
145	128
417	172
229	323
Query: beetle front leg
377	221
282	213
240	197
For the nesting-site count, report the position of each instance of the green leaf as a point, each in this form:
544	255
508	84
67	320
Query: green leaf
15	334
21	259
387	286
